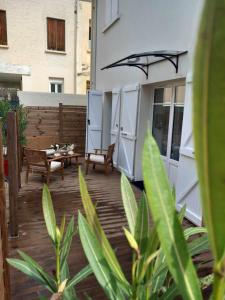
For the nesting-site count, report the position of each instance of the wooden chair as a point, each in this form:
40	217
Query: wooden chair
101	157
37	161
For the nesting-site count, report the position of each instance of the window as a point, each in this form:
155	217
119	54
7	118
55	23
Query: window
177	122
112	11
3	28
89	34
56	34
56	85
168	119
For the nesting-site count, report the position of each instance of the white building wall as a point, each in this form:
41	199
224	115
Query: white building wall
27	42
145	25
50	99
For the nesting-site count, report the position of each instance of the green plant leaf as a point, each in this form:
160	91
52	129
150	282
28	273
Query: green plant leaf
27	269
95	256
48	212
193	230
160	272
198	245
62	226
69	293
209	121
170	293
94	223
181	214
67	241
129	203
84	273
169	229
131	240
49	281
142	225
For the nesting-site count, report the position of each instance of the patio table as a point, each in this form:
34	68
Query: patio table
68	158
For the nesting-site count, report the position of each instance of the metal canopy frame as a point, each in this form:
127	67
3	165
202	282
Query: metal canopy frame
134	60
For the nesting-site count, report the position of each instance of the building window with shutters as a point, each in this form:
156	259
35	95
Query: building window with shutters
56	34
56	85
111	13
3	28
168	110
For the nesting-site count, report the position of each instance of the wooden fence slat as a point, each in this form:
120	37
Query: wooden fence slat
60	122
4	268
12	151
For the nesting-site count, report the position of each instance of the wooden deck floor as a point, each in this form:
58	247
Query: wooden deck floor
33	238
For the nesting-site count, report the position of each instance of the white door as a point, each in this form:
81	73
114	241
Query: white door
128	129
187	189
115	123
94	121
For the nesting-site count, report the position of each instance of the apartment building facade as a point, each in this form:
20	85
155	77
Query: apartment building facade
142	65
38	48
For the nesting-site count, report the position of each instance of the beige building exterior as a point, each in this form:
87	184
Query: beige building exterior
29	60
83	46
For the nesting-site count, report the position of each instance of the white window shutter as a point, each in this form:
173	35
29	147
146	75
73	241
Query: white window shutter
108	8
114	8
187	188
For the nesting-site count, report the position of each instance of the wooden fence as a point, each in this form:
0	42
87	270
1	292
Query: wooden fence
63	124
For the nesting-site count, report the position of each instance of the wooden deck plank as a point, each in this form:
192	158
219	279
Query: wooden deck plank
33	239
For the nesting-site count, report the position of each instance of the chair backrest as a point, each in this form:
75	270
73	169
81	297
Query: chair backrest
110	151
36	158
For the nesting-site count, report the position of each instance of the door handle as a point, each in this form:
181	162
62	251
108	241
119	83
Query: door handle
121	128
117	125
89	122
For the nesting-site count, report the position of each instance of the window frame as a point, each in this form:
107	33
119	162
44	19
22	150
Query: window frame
56	81
171	118
56	48
5	43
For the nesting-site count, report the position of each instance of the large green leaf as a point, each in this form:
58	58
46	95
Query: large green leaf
49	281
27	269
94	223
129	203
95	256
209	123
48	212
67	241
169	229
84	273
142	225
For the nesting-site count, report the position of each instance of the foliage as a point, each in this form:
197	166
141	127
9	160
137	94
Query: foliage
61	285
151	278
5	107
209	112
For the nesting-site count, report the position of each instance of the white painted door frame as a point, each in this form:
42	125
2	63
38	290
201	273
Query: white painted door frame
115	122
